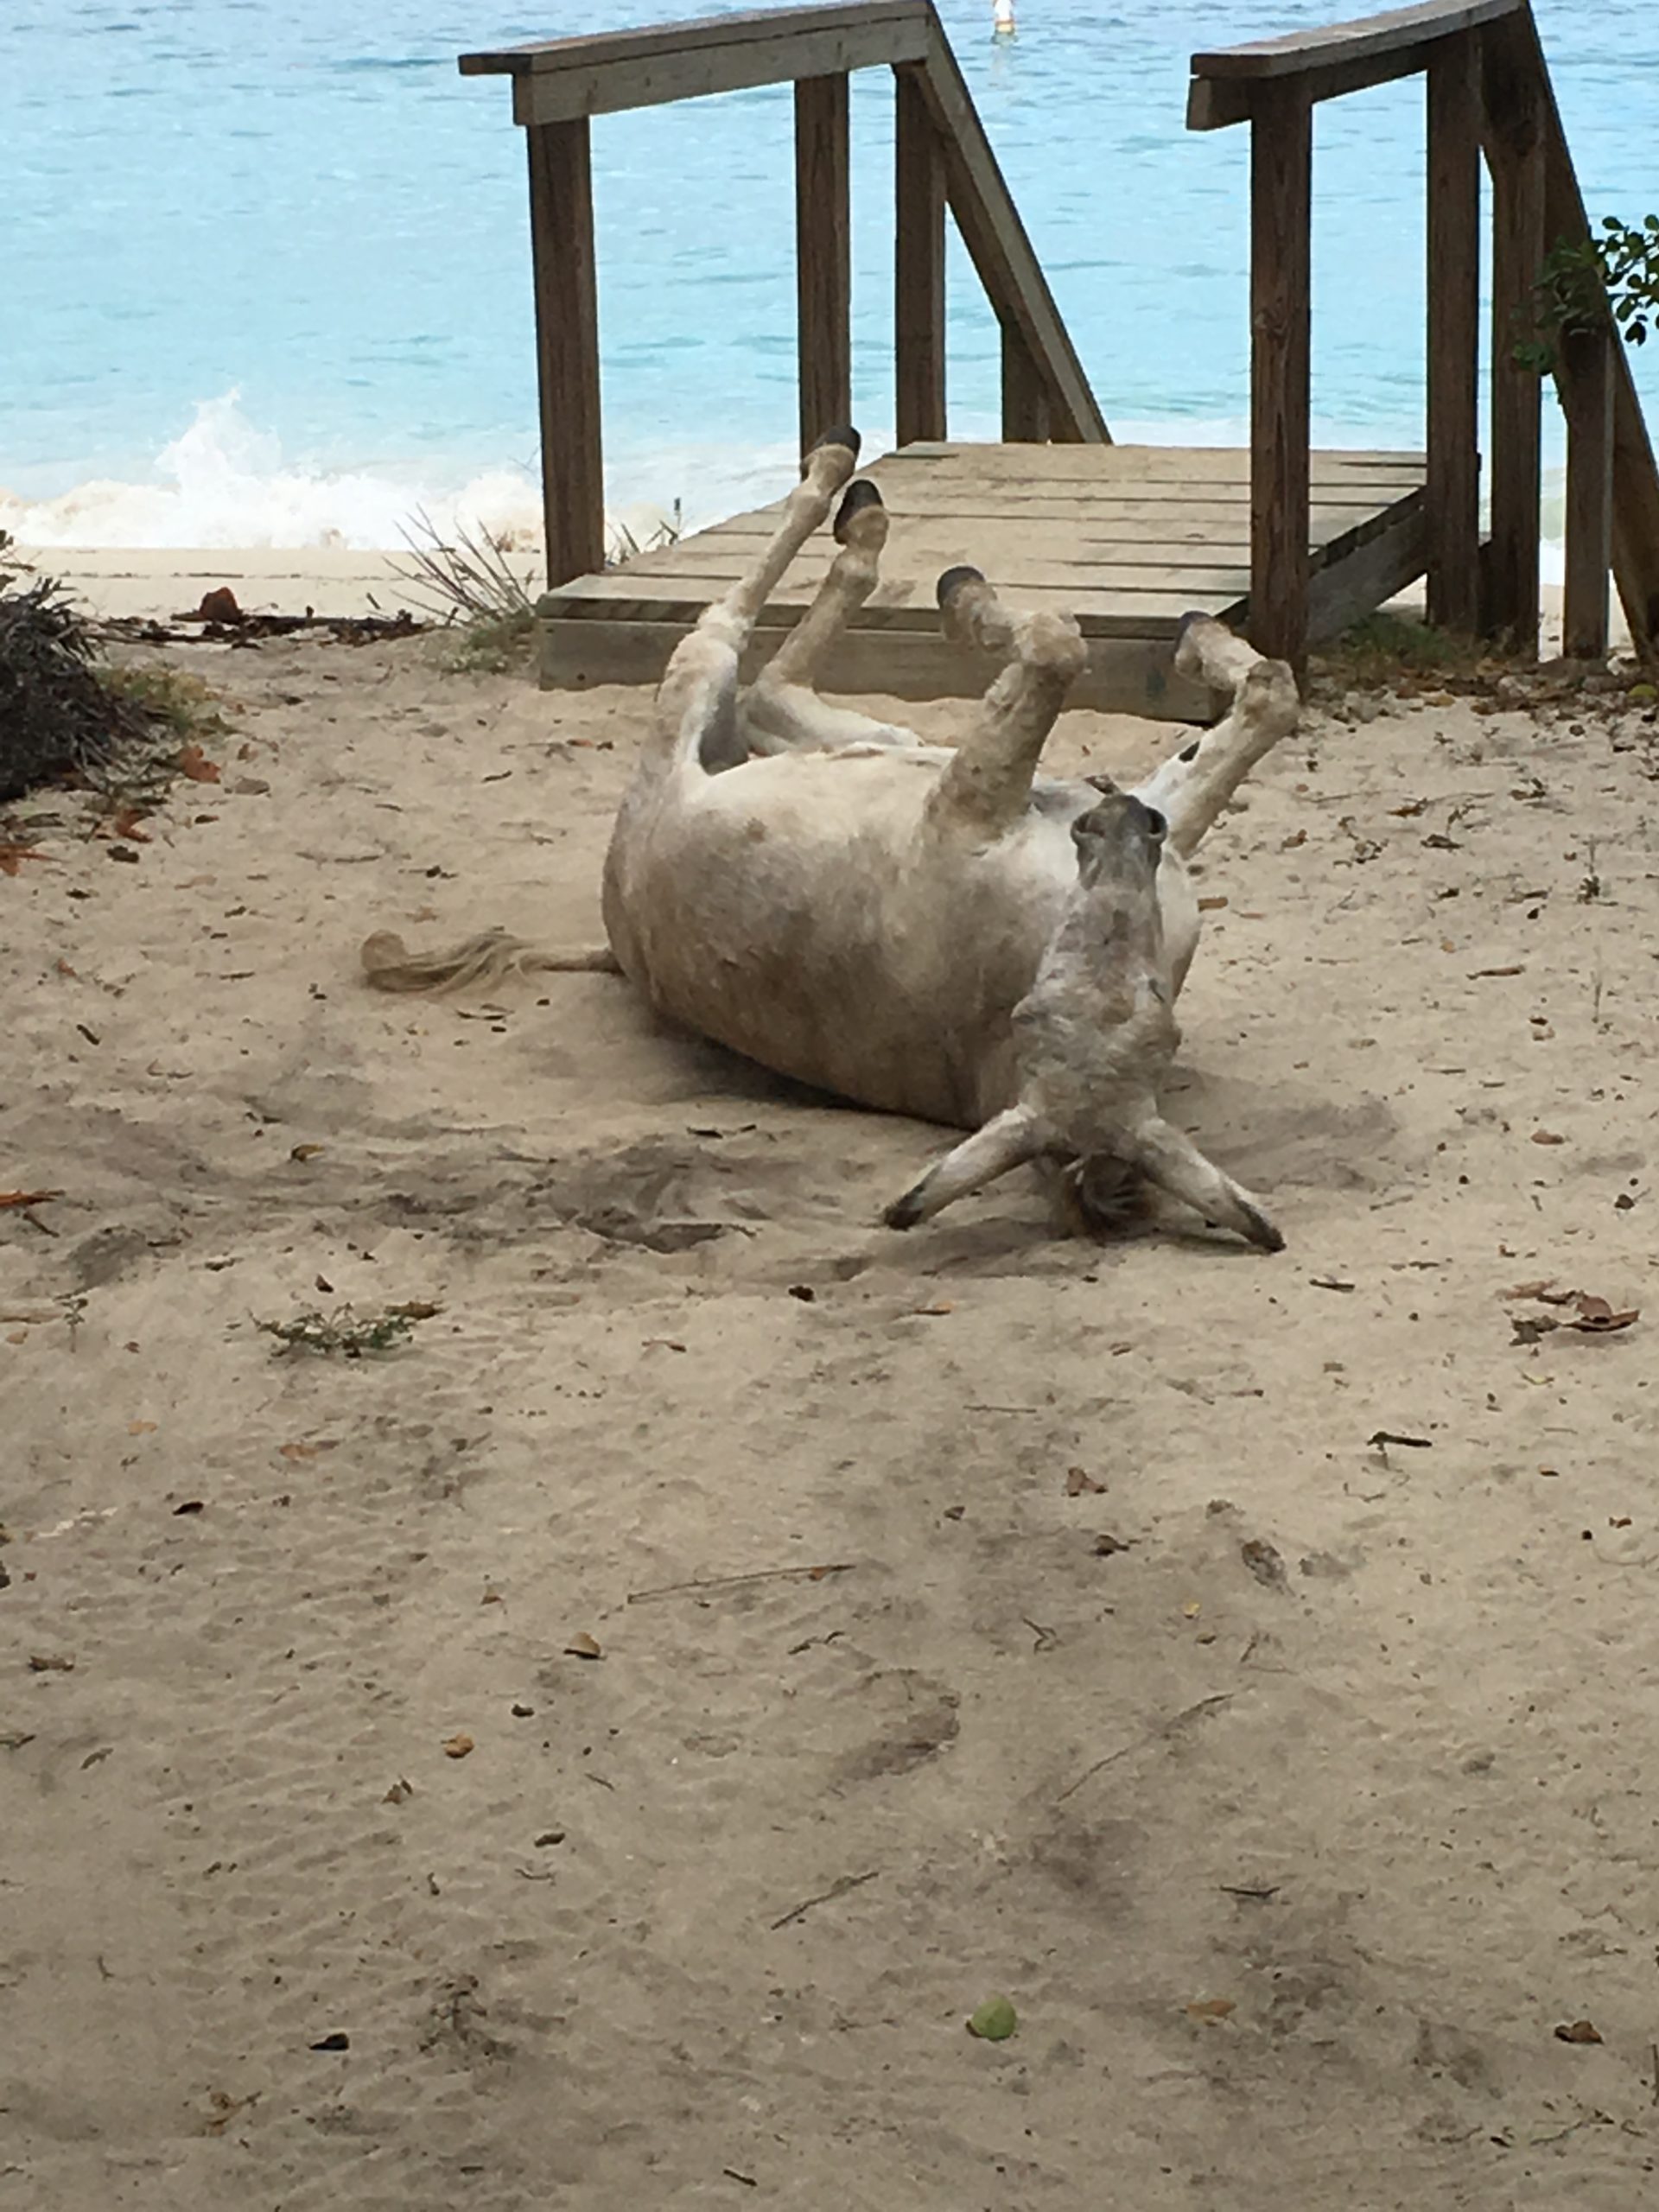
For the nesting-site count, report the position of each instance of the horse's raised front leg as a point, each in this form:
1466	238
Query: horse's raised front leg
1191	790
987	786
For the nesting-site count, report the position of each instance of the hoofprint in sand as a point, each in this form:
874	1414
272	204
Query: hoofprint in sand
976	1614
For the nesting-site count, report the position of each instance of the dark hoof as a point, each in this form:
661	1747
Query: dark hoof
904	1213
844	434
952	581
854	501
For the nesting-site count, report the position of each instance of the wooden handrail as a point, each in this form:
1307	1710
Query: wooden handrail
1488	90
1370	37
943	157
1336	59
556	80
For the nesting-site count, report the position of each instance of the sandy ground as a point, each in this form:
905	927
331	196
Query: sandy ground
1294	1831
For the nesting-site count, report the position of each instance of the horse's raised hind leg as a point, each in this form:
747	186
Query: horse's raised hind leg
988	784
1191	790
696	718
781	711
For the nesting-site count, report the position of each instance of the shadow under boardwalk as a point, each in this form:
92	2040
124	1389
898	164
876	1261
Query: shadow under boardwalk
1128	538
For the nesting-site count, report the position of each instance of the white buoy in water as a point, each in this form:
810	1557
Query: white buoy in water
1002	23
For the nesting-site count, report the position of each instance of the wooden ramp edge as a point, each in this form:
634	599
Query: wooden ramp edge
1126	538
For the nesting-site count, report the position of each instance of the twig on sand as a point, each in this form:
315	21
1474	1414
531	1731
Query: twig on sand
732	1581
1161	1732
837	1888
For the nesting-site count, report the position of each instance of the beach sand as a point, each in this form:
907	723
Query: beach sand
1295	1819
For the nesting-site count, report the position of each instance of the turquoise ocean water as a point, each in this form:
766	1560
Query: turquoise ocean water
266	270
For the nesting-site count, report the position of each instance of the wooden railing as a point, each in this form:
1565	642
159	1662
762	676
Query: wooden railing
943	158
1488	88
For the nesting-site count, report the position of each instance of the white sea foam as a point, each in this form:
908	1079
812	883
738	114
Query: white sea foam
224	482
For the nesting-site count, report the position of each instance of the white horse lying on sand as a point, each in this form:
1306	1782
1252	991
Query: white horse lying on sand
925	930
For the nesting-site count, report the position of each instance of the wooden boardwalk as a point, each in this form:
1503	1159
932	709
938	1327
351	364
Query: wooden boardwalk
1127	538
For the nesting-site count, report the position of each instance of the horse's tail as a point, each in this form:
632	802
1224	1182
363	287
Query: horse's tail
486	959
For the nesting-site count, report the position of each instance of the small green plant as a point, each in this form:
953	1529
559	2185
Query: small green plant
172	697
1587	284
347	1332
1387	649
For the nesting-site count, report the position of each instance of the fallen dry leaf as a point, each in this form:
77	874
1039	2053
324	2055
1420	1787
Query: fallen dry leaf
1107	1546
1079	1483
27	1197
398	1792
1538	1289
584	1646
1210	2008
1211	906
1546	1136
416	1309
194	762
140	1428
13	856
456	1747
932	1312
297	1451
1477	974
41	1662
1597	1318
1579	2031
307	1151
1297	837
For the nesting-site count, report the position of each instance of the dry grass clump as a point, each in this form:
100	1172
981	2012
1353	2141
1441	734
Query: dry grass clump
58	713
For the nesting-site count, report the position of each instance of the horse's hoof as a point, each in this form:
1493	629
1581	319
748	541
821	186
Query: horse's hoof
842	434
952	581
854	500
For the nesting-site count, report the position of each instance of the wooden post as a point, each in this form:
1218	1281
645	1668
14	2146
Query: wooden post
1587	390
567	349
1026	417
918	266
1452	498
1515	154
1281	181
823	266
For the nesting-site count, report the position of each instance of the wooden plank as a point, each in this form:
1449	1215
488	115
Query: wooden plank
1453	293
1017	548
1587	392
1368	37
1282	165
1365	578
1126	676
567	349
1147	526
697	34
910	578
1026	410
1515	157
824	261
999	248
1108	466
904	605
919	265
